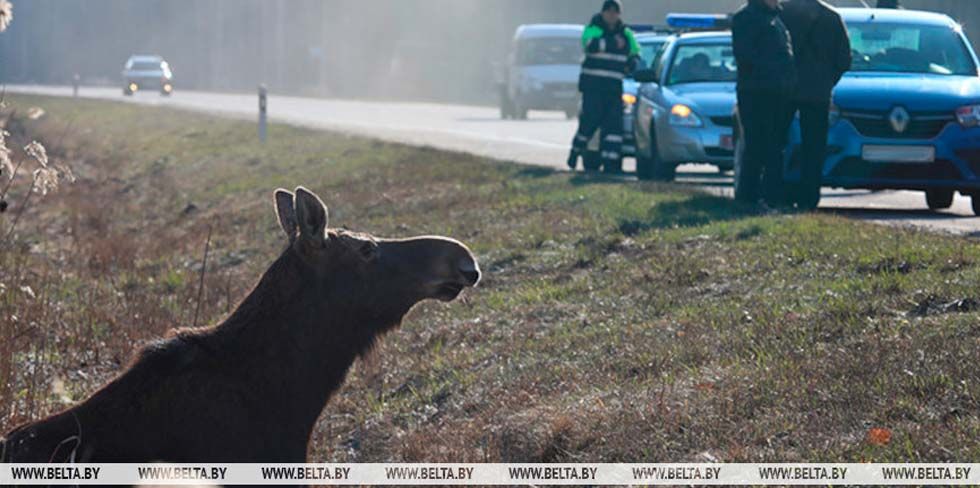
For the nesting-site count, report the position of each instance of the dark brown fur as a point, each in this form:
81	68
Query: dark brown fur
251	388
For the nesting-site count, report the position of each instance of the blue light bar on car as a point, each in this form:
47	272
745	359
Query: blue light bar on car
697	21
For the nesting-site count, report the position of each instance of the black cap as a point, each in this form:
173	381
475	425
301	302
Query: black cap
616	5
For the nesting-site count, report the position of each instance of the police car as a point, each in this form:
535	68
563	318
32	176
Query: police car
685	101
907	115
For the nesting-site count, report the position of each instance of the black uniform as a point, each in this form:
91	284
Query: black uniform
823	54
766	79
609	55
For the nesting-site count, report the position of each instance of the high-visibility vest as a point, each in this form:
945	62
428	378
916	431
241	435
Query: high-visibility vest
606	62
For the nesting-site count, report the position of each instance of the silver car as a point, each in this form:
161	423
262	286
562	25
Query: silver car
147	73
542	70
685	104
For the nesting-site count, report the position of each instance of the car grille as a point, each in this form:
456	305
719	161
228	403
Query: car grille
717	152
724	121
859	168
924	125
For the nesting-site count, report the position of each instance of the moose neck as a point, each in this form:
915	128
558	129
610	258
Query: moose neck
300	342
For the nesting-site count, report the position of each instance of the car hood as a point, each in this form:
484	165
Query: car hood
712	99
552	73
925	92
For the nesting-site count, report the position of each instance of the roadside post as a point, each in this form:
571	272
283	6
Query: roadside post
263	92
75	81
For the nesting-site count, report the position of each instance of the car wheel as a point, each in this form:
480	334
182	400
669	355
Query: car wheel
520	113
939	199
506	107
654	168
591	160
644	168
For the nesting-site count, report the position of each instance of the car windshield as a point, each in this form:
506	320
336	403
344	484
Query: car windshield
649	50
549	50
698	63
145	66
909	49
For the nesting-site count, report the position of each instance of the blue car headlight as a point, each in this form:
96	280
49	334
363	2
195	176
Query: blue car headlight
968	116
683	116
834	115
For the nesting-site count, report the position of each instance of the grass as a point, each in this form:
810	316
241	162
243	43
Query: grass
617	322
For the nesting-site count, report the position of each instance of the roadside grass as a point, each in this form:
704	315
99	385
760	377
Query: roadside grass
617	321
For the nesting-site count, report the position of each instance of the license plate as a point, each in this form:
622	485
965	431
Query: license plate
899	154
727	143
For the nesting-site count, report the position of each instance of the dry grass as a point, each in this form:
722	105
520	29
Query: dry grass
617	321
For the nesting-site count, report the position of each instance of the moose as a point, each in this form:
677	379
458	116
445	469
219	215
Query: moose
251	388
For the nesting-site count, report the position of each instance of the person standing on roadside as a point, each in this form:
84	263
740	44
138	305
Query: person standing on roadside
822	49
611	51
766	80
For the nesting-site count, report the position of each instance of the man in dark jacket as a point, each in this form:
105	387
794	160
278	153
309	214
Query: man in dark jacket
823	54
766	77
611	51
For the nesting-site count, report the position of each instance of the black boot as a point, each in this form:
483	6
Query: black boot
572	159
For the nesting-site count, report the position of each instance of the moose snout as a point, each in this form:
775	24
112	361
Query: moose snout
470	270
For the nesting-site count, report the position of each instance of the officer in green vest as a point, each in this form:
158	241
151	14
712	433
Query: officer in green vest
611	51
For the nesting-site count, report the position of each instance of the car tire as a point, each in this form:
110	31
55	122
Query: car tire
939	199
591	161
520	113
654	168
506	107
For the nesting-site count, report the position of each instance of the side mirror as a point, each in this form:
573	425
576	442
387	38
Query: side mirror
645	76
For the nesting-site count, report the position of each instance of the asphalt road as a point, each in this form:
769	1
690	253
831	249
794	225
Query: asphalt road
542	140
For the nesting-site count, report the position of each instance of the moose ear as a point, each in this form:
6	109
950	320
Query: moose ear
311	215
286	213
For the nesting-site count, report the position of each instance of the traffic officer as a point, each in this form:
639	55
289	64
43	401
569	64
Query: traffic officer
766	79
822	50
611	51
